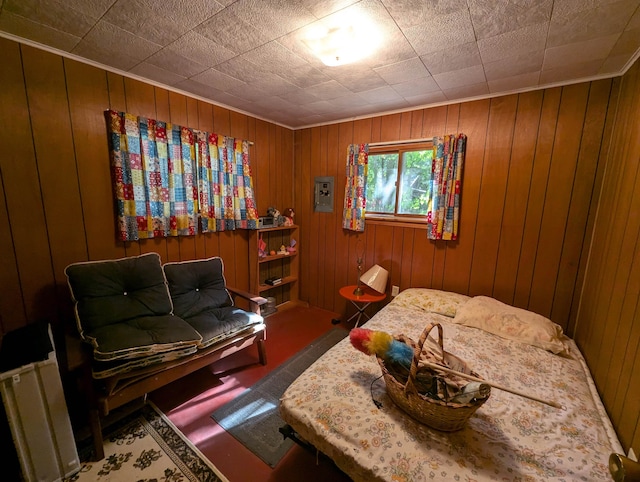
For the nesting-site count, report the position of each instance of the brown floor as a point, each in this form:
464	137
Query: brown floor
190	401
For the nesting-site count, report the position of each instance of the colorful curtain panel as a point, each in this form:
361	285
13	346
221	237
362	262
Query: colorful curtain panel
225	184
444	208
355	201
167	176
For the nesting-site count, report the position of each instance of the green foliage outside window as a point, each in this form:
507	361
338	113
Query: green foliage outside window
408	182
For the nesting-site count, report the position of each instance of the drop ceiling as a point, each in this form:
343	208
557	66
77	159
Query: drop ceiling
248	55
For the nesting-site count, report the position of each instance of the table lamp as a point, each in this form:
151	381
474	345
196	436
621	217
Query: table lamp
376	278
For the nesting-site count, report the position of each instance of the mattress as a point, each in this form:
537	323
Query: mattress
510	437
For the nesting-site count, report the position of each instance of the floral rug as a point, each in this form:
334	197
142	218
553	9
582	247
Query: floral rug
147	447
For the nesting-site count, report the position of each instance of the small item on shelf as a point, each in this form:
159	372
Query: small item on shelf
273	281
278	219
282	250
272	252
292	246
262	248
289	214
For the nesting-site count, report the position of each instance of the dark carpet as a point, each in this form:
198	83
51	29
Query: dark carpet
253	417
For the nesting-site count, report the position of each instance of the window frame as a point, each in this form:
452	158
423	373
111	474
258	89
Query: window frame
399	148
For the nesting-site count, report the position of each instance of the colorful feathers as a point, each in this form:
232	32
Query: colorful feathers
381	344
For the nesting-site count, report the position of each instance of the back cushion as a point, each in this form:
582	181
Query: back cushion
197	286
116	291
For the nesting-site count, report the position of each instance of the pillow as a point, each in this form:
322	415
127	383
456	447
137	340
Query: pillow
124	310
512	323
434	301
197	286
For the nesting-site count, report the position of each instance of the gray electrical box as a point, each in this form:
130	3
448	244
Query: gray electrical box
324	194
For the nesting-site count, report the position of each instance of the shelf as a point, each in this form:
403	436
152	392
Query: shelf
266	259
285	281
285	266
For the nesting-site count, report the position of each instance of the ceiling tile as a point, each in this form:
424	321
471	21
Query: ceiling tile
563	55
356	78
271	84
414	87
304	76
25	28
514	66
57	15
231	31
322	8
171	60
153	72
273	18
455	58
110	45
273	57
517	42
408	13
241	69
589	23
327	90
401	71
501	16
527	80
382	94
458	78
441	33
216	79
427	98
200	49
467	91
572	71
142	20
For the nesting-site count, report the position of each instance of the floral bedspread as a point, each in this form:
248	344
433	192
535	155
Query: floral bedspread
509	438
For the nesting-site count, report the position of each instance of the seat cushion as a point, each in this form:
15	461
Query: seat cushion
197	286
219	323
123	308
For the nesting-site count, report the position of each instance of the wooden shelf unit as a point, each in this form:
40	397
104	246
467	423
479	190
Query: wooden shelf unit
279	265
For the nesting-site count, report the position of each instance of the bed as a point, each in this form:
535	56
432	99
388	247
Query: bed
510	437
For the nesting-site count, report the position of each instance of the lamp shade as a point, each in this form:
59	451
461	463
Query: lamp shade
376	278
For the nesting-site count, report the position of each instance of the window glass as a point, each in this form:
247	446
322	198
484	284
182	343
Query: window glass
399	180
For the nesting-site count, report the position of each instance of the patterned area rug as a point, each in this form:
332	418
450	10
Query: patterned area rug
147	447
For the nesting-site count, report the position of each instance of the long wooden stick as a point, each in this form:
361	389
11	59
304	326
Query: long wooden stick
435	366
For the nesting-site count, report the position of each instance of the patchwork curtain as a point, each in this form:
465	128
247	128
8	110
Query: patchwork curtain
355	201
225	184
444	209
166	176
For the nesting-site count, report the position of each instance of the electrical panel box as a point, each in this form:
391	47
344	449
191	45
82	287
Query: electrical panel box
37	413
324	194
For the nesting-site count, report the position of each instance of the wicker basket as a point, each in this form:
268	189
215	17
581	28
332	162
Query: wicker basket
437	414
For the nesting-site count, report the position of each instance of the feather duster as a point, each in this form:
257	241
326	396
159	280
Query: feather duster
383	345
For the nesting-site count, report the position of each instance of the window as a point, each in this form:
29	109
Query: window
399	180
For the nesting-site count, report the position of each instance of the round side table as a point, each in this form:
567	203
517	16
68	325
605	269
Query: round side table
362	301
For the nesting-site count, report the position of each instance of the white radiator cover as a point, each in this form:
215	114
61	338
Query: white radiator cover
37	413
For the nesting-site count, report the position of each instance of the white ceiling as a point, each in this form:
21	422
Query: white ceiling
248	54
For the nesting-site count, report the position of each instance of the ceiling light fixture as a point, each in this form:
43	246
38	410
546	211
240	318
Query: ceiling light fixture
343	45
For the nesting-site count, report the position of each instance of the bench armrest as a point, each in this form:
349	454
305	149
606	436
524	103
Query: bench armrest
255	301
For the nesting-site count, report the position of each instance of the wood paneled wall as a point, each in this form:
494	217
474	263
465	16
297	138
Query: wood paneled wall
56	204
608	326
529	180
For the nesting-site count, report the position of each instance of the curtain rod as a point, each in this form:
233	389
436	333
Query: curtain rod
404	141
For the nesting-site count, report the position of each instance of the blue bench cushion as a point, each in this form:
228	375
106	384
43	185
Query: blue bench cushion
199	295
124	310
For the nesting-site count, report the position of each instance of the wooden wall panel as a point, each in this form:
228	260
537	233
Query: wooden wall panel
528	183
608	321
57	199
